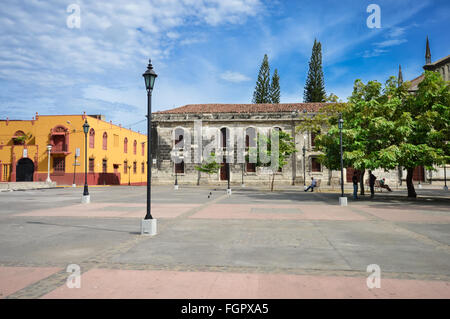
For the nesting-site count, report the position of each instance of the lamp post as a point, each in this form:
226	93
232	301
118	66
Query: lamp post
175	187
304	161
129	174
49	149
445	177
86	197
148	225
342	199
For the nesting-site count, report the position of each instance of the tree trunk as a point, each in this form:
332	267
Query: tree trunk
273	180
409	183
198	178
361	181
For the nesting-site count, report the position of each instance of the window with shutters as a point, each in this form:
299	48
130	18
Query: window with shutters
91	138
105	141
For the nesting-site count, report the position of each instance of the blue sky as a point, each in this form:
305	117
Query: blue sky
203	51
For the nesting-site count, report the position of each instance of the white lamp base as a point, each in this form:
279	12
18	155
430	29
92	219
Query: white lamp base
175	187
445	188
228	191
148	227
86	199
343	201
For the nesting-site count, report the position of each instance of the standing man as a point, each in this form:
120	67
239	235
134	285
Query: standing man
313	184
355	185
372	179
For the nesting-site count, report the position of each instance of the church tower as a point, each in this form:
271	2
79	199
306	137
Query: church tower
428	53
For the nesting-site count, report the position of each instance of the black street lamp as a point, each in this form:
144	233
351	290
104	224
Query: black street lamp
341	125
149	77
176	177
445	177
86	198
129	174
304	165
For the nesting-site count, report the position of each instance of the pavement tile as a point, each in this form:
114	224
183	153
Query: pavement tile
113	283
270	211
13	279
116	210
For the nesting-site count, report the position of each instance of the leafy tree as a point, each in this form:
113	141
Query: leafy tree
286	147
262	89
209	167
387	127
275	88
426	135
315	87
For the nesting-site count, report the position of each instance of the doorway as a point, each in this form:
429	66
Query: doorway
25	170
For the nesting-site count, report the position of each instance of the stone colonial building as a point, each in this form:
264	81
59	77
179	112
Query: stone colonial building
235	121
243	120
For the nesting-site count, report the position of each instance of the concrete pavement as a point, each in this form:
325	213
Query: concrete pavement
253	244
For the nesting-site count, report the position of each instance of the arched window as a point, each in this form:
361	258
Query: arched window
134	147
143	148
19	138
125	145
105	141
250	141
179	138
91	138
224	136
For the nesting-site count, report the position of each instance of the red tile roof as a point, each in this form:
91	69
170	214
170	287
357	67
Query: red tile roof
244	108
415	83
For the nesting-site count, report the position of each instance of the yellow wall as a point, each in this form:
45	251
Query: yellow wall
40	137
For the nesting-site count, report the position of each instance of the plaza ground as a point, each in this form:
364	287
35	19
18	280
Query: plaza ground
253	244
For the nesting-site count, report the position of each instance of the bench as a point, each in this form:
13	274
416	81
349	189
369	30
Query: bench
377	185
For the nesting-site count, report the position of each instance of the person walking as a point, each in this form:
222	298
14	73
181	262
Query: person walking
355	185
372	179
313	184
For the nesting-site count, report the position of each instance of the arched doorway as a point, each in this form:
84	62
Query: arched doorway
24	170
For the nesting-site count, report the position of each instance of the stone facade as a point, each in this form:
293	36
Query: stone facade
265	118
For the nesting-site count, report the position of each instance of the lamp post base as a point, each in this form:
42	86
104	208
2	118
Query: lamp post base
175	187
445	188
242	185
48	180
228	191
74	185
86	199
343	201
148	227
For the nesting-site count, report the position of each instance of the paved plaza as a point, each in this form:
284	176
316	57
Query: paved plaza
252	244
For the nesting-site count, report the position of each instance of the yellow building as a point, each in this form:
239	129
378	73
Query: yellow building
116	155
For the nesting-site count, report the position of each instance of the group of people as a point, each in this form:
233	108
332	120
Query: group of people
355	180
372	179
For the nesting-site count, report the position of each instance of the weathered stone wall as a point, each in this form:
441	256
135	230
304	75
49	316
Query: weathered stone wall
164	135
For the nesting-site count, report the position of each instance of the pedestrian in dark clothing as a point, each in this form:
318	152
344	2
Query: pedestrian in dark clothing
372	179
355	185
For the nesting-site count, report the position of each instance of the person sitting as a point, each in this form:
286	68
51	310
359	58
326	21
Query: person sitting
313	184
384	185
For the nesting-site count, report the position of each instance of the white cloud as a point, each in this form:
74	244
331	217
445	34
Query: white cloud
234	77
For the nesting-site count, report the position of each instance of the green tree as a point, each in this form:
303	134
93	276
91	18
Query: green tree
386	127
275	88
209	167
425	140
262	89
286	147
315	88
